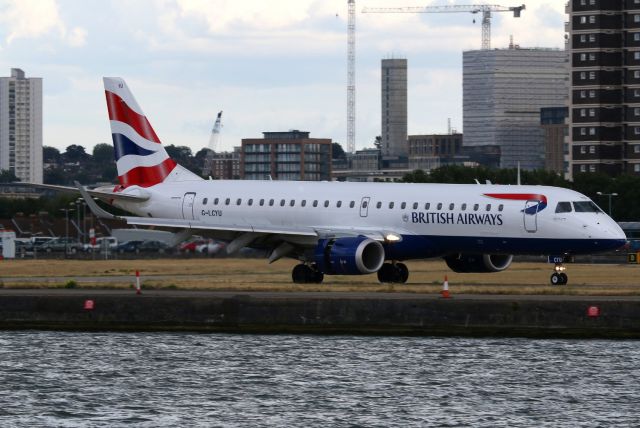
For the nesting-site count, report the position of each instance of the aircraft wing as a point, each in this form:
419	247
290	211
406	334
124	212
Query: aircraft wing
102	194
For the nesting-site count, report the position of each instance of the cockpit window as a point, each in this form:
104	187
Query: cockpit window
563	207
586	207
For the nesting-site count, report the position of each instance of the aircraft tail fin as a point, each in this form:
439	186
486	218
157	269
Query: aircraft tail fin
140	157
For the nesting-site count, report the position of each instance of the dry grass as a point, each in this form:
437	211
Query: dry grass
251	274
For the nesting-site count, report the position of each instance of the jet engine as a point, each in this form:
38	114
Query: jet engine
349	256
467	263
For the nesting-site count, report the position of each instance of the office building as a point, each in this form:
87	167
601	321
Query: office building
431	151
394	108
290	155
222	165
555	130
503	92
604	41
21	126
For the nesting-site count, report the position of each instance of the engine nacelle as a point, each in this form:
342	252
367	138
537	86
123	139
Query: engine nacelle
349	256
467	263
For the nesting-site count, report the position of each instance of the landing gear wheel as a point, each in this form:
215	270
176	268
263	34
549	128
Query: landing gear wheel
305	274
564	278
555	279
386	273
393	273
402	273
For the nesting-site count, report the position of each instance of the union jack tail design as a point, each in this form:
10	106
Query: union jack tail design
140	157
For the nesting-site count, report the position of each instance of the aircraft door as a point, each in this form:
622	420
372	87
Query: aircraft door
364	206
187	206
530	214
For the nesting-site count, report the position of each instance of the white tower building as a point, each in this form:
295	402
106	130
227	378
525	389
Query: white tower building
21	126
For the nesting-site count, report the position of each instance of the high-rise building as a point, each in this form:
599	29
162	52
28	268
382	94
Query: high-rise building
21	126
503	92
288	155
394	108
604	108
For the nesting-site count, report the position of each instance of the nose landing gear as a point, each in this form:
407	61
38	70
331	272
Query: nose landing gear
559	277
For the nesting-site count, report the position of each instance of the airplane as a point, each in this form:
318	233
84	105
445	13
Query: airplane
343	228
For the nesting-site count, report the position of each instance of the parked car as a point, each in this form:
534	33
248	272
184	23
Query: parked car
110	241
211	247
137	247
129	247
191	245
153	246
60	244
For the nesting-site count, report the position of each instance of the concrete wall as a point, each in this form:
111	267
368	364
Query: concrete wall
327	313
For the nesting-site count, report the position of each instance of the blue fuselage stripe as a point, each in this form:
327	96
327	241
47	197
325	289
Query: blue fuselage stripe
423	246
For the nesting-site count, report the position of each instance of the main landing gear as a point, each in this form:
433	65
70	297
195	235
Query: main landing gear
393	273
306	274
559	277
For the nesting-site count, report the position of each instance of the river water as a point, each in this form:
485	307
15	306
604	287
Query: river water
158	379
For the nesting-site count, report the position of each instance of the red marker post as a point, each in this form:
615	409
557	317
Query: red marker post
89	305
138	290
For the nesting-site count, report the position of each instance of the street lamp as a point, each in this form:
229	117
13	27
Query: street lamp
66	230
610	195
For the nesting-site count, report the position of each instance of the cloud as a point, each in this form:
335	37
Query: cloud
31	19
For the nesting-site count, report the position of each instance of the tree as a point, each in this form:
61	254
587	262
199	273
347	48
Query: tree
180	154
7	176
337	151
75	154
103	153
51	155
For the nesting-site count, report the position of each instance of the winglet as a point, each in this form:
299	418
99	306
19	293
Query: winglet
95	209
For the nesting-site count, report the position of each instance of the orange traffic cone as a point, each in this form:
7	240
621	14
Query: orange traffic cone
445	288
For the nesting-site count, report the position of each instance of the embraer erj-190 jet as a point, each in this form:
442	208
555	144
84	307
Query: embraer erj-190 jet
338	228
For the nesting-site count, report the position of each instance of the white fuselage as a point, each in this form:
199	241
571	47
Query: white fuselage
432	219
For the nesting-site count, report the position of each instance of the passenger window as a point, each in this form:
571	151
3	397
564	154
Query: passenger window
239	201
415	205
379	205
315	203
338	204
250	202
403	205
390	205
500	207
563	207
463	207
451	207
292	202
204	201
427	206
439	206
227	201
352	204
271	201
282	202
326	204
488	207
475	207
303	203
215	201
261	202
365	204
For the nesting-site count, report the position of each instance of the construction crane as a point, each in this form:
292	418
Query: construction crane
485	9
351	77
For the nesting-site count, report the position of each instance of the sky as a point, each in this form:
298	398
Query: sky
268	65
